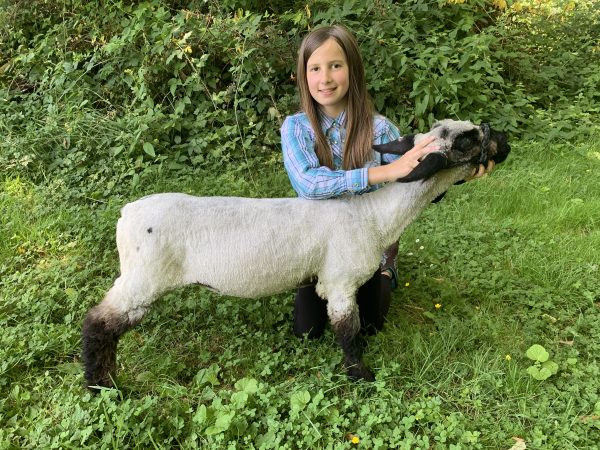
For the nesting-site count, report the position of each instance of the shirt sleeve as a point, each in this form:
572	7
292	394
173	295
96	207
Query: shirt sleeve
309	178
386	132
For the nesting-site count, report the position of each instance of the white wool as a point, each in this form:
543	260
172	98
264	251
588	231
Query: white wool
252	248
452	129
246	247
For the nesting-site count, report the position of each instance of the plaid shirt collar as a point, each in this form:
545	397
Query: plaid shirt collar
328	122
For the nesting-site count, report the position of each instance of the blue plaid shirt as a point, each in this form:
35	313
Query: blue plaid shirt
309	178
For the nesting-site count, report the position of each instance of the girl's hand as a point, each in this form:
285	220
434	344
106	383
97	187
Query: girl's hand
405	165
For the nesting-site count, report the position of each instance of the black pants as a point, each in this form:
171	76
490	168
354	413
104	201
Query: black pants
373	298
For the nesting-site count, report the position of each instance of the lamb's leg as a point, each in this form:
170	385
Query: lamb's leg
103	326
100	335
344	317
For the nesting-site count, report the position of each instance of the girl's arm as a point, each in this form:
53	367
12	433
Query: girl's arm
404	165
313	181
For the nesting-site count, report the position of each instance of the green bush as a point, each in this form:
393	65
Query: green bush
109	91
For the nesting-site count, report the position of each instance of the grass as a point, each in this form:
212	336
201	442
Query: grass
512	260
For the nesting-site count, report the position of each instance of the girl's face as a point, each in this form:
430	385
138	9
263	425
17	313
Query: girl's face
328	77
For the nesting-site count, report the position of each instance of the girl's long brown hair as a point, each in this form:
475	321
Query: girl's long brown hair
359	112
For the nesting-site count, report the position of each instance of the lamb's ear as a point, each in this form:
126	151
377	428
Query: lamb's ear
398	147
433	163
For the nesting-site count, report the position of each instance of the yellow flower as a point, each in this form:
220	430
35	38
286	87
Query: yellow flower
355	440
438	306
508	357
188	49
407	284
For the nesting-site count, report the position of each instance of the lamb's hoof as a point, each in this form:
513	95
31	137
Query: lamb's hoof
360	373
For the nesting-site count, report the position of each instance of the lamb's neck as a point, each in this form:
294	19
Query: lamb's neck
393	207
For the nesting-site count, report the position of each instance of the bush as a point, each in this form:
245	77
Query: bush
110	91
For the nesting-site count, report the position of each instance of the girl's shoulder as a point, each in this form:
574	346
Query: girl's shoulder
297	124
299	118
383	126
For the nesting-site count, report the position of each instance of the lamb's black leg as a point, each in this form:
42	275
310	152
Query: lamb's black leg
352	347
106	323
346	325
100	336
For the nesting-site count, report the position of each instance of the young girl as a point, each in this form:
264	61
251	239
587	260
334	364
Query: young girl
327	150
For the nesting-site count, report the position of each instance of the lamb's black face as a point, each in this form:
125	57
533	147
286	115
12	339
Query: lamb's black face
461	142
473	146
466	147
499	148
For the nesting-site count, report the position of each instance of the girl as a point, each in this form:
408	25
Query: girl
327	150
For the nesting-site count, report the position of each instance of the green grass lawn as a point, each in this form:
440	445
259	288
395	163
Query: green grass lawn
510	260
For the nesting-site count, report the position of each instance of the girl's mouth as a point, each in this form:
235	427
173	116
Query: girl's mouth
328	91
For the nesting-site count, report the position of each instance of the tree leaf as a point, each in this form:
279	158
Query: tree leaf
542	373
247	385
222	423
537	353
551	366
239	400
200	416
149	149
299	400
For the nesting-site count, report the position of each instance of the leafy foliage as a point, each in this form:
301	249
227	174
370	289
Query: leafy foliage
102	102
110	90
543	366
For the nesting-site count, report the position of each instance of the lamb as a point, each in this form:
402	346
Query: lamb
252	248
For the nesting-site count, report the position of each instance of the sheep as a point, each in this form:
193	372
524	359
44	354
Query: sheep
251	248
